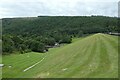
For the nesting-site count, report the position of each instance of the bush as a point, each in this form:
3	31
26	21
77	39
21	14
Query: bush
37	46
49	41
7	44
66	39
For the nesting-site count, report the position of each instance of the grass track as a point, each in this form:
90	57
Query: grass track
95	56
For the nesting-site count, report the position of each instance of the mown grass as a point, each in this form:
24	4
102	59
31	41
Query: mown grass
95	56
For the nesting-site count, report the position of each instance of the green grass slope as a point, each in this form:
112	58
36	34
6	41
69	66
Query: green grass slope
95	56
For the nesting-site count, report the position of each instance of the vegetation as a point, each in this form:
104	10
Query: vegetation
35	34
95	56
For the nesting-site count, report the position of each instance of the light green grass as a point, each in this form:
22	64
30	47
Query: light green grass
95	56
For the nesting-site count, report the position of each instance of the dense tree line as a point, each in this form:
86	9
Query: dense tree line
36	33
18	43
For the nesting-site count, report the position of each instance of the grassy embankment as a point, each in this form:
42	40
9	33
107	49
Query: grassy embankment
95	56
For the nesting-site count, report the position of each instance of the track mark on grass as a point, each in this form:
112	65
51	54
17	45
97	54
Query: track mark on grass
33	65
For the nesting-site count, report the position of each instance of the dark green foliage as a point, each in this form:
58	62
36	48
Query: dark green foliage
49	41
22	48
34	34
66	39
7	44
56	36
60	24
17	41
37	46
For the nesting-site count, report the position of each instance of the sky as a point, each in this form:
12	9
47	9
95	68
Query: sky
34	8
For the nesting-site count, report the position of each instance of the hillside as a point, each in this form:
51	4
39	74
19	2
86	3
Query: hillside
43	25
39	33
0	29
95	56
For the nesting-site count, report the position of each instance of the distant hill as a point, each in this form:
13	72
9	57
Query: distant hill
0	28
64	24
36	33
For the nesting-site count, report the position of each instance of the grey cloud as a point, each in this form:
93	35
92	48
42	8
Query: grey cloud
100	8
63	8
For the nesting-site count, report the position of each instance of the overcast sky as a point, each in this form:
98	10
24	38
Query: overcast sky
31	8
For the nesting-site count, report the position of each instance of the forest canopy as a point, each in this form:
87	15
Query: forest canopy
39	33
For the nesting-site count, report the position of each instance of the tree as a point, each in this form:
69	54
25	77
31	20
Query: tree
37	46
66	39
7	44
80	33
22	48
17	41
36	33
49	41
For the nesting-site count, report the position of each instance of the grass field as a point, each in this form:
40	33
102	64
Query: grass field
95	56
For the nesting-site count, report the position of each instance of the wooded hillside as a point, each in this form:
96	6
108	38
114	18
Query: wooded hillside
35	33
